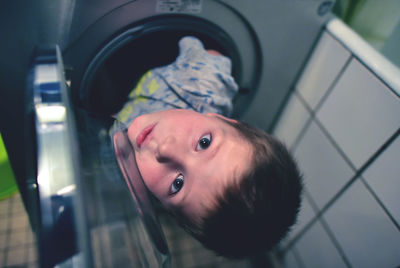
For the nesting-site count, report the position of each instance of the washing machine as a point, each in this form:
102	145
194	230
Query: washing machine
81	58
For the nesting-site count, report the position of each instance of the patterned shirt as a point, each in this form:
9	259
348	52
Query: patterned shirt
196	80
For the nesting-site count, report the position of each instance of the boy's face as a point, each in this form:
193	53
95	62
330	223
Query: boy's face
186	158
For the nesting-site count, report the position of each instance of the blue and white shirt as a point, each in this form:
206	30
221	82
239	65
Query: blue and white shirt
196	80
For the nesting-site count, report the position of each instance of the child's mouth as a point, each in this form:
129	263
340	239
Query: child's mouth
140	139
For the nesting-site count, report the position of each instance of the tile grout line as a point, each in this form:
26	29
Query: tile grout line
360	171
334	241
355	177
380	203
313	112
306	125
367	66
333	85
297	257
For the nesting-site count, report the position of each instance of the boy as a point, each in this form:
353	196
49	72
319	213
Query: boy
231	186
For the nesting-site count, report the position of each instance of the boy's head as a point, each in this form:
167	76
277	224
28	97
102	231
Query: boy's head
187	159
233	187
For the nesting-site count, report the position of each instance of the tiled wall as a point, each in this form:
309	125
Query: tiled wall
342	123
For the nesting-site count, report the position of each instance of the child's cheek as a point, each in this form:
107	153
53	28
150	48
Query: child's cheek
152	178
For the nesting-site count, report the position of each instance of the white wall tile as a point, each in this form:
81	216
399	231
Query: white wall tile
326	62
306	214
325	171
367	236
290	261
384	177
292	121
360	113
317	250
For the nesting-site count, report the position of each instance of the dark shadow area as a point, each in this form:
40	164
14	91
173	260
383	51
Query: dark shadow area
117	75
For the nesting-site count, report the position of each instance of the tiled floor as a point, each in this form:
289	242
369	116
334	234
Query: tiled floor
17	242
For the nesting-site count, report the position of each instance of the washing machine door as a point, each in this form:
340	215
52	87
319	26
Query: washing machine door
53	187
92	208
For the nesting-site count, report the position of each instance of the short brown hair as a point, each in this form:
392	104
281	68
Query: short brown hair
256	212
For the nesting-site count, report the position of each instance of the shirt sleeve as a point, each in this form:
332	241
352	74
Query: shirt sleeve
201	79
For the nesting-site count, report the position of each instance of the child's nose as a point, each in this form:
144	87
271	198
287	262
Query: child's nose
168	150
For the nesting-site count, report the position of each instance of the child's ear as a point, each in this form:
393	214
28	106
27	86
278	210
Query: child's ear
223	117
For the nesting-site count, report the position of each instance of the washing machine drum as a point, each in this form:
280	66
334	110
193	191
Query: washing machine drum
109	58
119	66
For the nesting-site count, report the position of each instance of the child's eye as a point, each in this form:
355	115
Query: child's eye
177	184
204	142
